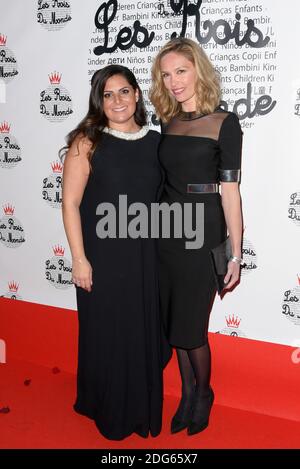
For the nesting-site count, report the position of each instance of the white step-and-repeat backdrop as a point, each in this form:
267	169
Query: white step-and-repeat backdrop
49	50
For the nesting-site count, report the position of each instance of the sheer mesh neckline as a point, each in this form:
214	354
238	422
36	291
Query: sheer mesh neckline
189	116
205	126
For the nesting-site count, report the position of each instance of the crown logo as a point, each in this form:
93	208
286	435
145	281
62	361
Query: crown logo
57	167
4	127
58	250
233	321
54	78
8	209
2	40
13	286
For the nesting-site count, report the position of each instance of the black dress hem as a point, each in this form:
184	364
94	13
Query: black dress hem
145	435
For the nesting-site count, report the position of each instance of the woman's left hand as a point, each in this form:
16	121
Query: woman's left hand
233	274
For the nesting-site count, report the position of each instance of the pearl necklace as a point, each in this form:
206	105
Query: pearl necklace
127	135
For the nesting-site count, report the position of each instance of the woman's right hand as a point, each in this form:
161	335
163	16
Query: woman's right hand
82	273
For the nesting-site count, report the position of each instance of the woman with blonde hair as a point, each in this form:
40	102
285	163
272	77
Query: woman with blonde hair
200	150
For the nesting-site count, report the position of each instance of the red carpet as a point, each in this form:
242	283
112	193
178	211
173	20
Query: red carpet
41	416
256	385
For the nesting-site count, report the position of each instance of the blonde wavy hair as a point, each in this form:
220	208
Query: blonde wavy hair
207	87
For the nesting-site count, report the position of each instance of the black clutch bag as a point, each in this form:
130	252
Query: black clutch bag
220	256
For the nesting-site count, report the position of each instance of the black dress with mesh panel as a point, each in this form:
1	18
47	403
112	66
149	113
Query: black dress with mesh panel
194	150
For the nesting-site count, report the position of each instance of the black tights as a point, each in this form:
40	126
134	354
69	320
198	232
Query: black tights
194	367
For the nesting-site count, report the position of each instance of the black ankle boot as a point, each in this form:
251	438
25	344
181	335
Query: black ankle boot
182	417
200	413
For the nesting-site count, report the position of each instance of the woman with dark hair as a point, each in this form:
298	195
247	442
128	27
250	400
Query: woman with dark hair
122	350
200	151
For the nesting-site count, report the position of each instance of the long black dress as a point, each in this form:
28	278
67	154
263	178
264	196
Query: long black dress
194	150
122	350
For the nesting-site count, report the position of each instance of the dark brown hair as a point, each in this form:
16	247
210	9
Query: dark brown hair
92	124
